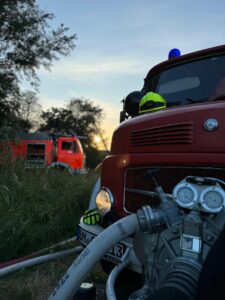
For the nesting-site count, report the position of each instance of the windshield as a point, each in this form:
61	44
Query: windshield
190	82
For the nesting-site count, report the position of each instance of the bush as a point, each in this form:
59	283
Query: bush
38	209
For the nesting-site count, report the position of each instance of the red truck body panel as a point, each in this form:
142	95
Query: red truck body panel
178	129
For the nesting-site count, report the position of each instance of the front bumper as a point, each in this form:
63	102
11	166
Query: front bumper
115	255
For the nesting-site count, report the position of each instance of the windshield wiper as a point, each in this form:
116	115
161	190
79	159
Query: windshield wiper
197	100
220	97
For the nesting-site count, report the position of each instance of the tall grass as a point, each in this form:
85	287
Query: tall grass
38	209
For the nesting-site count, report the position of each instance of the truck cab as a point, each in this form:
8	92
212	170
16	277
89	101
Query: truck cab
70	152
179	151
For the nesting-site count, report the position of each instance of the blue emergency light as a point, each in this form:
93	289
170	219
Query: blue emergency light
174	53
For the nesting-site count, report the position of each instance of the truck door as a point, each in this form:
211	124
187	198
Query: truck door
69	153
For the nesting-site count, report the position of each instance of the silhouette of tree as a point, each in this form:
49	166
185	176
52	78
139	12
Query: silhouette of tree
27	42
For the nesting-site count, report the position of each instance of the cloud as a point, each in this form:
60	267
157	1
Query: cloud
74	68
108	78
48	102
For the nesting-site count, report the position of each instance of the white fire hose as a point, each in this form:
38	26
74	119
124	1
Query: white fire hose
77	272
146	220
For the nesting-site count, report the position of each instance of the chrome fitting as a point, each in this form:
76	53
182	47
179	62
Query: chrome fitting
149	219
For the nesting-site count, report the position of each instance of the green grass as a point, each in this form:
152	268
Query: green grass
37	283
39	209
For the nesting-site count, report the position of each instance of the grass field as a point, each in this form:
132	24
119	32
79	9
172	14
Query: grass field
37	210
37	283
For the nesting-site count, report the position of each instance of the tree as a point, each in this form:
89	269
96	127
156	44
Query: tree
57	119
30	109
22	112
27	42
80	116
8	109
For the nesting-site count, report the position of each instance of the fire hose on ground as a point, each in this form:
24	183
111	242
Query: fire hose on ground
38	260
32	259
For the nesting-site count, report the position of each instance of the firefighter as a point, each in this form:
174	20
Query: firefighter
151	102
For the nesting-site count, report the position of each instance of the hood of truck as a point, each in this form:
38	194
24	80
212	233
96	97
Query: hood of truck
173	130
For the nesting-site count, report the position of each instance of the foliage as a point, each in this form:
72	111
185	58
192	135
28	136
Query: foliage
8	109
79	115
30	109
94	157
38	209
27	42
21	113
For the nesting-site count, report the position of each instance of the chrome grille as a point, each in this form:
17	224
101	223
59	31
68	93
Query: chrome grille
179	133
167	177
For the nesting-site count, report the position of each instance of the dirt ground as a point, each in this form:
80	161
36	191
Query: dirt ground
100	291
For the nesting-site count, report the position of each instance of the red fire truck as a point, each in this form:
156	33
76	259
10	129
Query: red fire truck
166	173
54	151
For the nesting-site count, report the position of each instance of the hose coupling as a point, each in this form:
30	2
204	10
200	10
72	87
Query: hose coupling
150	219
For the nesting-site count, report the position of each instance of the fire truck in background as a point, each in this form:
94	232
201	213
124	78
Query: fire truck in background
52	151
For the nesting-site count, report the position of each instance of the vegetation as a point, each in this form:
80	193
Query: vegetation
37	283
79	115
27	42
38	209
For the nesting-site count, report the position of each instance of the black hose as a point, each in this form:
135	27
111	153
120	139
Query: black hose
169	293
179	282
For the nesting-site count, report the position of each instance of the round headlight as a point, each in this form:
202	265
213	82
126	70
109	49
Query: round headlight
104	201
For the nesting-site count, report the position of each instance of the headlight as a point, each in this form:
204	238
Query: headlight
104	201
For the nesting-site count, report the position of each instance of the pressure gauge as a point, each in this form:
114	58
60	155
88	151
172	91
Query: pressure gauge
185	195
212	199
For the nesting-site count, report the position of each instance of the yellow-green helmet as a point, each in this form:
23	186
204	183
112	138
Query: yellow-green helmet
151	102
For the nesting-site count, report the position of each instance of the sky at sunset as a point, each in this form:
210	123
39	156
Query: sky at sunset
118	42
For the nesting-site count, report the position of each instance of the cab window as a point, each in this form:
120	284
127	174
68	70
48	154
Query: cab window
69	146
